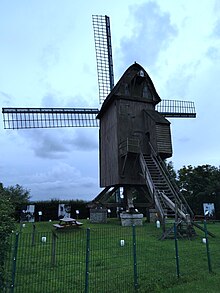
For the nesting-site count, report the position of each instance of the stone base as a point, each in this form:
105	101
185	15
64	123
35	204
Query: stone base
128	219
98	215
153	215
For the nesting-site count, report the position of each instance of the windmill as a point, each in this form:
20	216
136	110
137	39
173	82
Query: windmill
134	132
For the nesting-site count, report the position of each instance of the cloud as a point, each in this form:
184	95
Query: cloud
47	145
56	99
151	34
62	181
61	170
58	143
213	53
84	139
216	6
51	99
180	79
216	30
50	56
5	98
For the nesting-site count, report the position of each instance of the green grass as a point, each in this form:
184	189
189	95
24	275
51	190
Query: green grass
60	266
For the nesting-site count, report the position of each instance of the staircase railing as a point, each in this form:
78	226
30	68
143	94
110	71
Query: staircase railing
189	210
150	185
172	205
172	185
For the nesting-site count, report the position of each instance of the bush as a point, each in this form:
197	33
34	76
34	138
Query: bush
6	227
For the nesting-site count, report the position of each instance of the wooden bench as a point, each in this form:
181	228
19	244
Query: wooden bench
68	225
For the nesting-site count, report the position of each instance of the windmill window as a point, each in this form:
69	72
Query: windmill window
141	73
146	93
127	92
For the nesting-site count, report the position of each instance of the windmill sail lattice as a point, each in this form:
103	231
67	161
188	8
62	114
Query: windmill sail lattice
176	109
22	118
103	46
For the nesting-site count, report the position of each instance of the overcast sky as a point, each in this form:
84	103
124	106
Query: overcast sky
47	59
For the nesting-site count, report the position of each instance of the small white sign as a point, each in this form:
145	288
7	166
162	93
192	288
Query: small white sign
209	209
43	239
158	224
122	242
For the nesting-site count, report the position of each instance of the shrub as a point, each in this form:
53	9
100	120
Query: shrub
6	226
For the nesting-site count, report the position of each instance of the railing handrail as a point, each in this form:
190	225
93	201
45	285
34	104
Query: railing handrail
168	178
150	183
130	145
135	142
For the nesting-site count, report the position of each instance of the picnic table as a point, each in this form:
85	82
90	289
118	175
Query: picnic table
67	223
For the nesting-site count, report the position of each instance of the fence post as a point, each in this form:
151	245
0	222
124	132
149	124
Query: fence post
33	235
87	260
207	247
14	260
53	252
176	251
135	258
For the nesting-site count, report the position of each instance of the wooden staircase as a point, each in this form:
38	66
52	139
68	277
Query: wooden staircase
168	200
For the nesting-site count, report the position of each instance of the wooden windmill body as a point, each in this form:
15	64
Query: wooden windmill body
135	136
129	123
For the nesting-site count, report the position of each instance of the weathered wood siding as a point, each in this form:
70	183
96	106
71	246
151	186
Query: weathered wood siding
109	148
164	146
131	126
124	119
159	133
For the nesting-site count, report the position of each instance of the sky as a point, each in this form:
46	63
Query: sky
47	59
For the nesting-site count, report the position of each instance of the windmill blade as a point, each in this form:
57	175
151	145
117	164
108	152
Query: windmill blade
103	47
22	118
177	109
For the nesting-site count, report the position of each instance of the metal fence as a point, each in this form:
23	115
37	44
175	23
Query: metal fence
120	259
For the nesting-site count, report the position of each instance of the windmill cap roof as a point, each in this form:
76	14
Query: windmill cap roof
135	70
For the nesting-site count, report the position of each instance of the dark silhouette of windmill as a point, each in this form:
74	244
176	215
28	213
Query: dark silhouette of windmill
134	133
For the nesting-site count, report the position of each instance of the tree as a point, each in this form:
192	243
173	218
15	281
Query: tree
199	185
19	197
6	226
171	170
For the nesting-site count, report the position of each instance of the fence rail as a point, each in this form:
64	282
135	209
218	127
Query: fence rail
121	259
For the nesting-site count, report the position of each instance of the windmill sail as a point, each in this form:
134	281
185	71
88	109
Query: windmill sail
103	47
22	118
176	109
